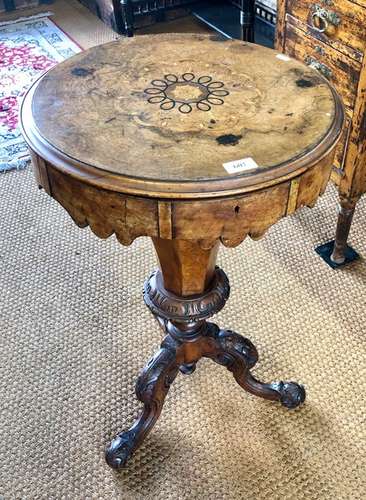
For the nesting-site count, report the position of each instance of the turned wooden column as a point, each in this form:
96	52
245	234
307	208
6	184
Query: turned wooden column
187	269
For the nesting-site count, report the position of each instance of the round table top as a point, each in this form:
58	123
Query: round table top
182	115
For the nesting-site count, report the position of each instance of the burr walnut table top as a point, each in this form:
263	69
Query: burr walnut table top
159	116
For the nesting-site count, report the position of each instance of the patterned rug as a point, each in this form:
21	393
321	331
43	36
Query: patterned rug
27	49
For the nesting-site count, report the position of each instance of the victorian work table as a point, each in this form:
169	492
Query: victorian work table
193	142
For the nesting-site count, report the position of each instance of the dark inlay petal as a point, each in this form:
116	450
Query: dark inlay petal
83	72
302	83
159	83
155	99
221	93
167	105
171	78
153	91
215	85
229	139
203	106
203	80
188	77
185	108
215	100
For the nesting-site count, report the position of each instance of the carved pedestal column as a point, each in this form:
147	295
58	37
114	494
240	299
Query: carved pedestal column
182	295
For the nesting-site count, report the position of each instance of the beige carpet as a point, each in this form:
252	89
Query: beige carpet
74	334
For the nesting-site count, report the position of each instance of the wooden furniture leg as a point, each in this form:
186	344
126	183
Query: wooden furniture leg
337	253
238	354
345	216
247	19
187	290
127	15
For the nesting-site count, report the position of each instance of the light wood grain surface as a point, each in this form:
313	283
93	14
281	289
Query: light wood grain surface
177	107
124	166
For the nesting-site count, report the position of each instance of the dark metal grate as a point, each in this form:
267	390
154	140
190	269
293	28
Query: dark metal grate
143	7
262	11
265	13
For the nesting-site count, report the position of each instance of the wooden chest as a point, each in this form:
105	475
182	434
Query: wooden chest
330	35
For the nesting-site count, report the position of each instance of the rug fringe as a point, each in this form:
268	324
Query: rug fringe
14	165
27	18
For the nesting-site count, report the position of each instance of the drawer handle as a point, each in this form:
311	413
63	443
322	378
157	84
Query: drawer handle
322	68
321	18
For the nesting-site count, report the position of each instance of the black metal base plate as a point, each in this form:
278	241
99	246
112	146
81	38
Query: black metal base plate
325	251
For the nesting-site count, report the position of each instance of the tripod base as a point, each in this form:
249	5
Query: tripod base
186	342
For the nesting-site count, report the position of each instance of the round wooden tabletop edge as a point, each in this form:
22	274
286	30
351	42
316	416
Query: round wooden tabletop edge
173	189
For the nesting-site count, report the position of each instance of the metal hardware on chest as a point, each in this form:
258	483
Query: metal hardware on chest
322	68
321	18
319	50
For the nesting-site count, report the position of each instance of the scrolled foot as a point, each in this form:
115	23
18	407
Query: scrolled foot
291	394
120	450
239	355
151	389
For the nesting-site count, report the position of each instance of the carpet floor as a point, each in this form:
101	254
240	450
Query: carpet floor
74	334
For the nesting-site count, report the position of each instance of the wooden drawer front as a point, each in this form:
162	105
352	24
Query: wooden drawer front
343	72
339	23
339	158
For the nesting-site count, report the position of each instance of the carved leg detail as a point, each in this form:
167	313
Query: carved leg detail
151	389
290	394
182	311
238	354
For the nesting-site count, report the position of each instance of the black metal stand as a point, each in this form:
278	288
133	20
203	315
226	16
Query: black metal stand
130	9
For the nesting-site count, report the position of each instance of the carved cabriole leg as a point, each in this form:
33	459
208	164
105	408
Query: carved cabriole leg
239	355
182	295
151	388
